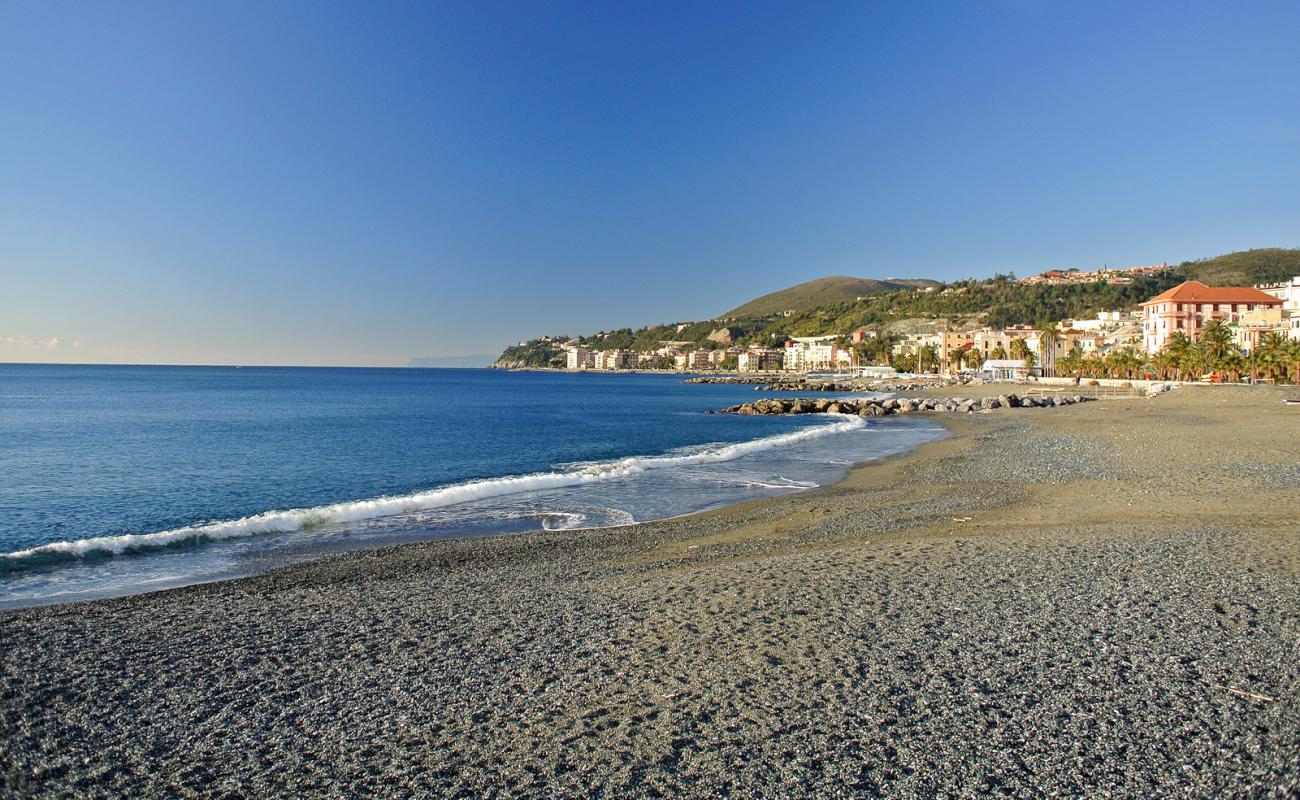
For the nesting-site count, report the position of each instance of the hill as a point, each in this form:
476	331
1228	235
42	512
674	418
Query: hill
894	305
822	292
1246	268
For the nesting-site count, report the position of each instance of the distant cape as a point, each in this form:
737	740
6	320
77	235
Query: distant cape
452	361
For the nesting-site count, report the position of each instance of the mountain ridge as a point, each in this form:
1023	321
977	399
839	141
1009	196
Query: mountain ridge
822	291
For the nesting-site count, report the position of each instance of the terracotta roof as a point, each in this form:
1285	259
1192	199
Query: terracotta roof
1197	292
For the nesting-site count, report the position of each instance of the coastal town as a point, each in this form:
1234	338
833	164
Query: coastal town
1191	331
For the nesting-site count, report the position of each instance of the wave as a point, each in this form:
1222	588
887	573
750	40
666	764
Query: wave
304	518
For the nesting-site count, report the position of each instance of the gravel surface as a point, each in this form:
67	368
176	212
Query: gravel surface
1101	601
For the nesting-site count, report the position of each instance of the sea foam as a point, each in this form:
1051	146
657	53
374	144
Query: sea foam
298	519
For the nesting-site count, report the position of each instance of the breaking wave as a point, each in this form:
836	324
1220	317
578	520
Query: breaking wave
293	520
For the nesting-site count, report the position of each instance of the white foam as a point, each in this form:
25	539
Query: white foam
298	519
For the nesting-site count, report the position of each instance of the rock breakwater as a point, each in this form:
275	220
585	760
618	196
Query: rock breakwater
879	407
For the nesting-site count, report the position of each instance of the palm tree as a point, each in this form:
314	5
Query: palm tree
1273	353
1019	349
1177	346
926	355
1028	356
883	344
1048	337
957	359
1234	364
1166	366
975	358
1293	356
1215	340
998	354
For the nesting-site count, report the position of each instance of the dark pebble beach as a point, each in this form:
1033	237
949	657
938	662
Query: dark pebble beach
1100	600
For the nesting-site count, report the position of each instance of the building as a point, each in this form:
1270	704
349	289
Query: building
1289	293
1003	369
760	359
1286	291
911	343
616	359
988	340
1191	304
952	341
716	357
1105	321
1252	327
580	358
804	353
1058	277
878	373
699	359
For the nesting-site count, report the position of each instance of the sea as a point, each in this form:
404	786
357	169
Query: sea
116	480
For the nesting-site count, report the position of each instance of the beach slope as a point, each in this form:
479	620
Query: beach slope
1101	600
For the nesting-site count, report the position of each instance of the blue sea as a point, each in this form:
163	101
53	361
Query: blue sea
122	479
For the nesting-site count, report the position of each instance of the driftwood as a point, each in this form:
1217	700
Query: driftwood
1251	695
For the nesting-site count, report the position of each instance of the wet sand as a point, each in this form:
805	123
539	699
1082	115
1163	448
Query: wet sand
1099	600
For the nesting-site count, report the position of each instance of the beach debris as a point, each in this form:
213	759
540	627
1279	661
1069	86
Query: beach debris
1243	693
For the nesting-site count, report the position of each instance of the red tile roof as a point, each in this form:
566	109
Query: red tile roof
1197	292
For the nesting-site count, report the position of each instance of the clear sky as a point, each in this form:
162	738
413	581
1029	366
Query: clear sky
339	183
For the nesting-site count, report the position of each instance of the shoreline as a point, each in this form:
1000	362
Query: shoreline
1038	600
327	550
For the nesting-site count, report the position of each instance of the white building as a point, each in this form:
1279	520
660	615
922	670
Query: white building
580	358
1105	320
1286	291
1003	369
1289	293
616	359
804	353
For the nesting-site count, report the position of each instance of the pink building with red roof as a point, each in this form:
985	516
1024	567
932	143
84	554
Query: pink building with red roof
1191	304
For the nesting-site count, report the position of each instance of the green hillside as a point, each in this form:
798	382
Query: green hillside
821	292
832	306
1262	265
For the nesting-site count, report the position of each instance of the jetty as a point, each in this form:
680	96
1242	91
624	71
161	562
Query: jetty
880	407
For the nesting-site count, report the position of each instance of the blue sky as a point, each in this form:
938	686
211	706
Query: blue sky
337	183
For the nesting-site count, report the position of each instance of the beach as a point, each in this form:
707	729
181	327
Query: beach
1096	600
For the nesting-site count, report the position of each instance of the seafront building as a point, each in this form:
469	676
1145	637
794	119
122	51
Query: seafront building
1003	369
616	359
699	359
1252	327
580	358
1191	304
760	359
805	353
1289	293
